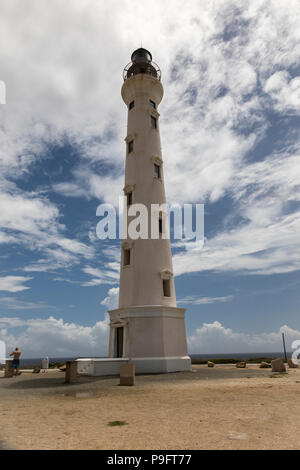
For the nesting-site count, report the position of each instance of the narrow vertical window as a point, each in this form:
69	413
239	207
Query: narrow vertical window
130	146
129	198
160	225
157	171
153	122
126	259
166	287
131	105
153	104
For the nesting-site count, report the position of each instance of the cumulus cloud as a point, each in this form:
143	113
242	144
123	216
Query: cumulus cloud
55	337
111	301
214	338
284	91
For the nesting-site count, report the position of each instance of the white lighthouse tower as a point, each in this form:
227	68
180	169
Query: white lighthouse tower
147	327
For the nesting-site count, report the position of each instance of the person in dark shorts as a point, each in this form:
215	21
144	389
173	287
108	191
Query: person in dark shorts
16	360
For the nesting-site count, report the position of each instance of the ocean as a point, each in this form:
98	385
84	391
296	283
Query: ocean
31	362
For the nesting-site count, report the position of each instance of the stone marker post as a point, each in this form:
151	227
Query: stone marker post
8	372
71	372
127	374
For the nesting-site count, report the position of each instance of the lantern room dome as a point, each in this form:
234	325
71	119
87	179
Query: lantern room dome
141	63
141	55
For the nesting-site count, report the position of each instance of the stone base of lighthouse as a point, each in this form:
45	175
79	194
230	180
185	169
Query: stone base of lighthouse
152	337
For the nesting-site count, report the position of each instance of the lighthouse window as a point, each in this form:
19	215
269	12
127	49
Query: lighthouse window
130	146
153	122
126	259
153	104
157	170
129	199
160	225
131	105
166	287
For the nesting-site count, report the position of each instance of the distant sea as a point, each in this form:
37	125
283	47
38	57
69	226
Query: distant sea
30	362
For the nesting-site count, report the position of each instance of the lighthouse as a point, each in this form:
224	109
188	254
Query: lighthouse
147	327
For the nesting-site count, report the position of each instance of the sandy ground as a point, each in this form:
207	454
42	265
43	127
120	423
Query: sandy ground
219	408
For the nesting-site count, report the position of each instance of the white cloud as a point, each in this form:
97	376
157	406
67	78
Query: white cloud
111	301
11	303
266	240
74	90
14	283
284	91
211	116
214	338
34	222
25	214
109	275
11	322
194	300
54	337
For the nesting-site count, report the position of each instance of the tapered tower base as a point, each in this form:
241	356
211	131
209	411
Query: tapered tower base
153	337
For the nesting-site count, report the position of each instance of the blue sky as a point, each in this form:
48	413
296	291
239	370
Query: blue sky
230	137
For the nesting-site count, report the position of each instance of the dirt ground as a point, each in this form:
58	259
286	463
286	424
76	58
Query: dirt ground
218	408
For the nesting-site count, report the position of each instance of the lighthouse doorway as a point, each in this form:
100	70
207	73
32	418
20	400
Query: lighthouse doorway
119	341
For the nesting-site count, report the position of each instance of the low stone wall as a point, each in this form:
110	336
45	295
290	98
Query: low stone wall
144	365
100	367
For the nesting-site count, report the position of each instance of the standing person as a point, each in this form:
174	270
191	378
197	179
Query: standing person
16	360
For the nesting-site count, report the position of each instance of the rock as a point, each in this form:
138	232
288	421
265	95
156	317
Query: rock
292	365
36	370
241	365
264	365
210	364
278	365
63	368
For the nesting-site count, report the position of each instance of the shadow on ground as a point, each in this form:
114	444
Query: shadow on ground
47	382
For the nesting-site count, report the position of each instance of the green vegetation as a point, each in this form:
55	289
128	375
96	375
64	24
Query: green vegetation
55	365
116	423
